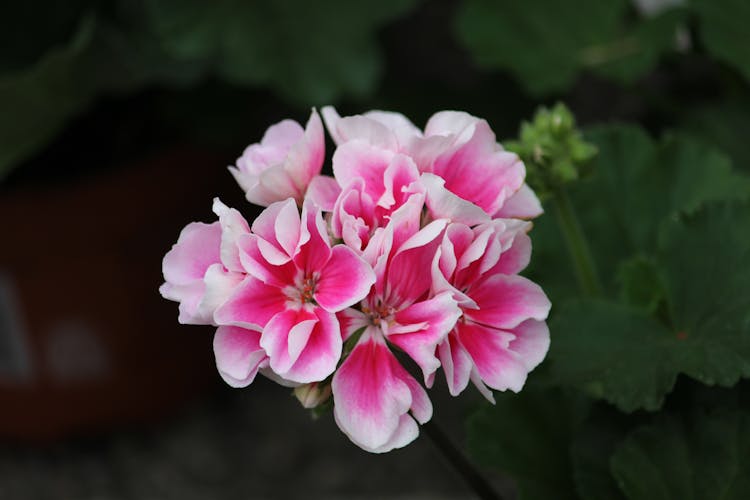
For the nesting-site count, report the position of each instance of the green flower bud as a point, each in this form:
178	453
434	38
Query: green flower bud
552	149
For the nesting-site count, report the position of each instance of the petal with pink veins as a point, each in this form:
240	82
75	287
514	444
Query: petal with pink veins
344	280
233	226
238	355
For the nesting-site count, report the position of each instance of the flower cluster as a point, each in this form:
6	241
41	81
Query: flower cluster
413	246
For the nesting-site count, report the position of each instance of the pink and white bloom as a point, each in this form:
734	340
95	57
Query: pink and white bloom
296	283
501	335
413	245
373	394
283	164
202	268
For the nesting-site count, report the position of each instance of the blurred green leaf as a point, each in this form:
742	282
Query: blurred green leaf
699	458
527	436
310	52
613	352
723	125
723	29
640	283
545	43
624	355
706	262
37	101
590	451
638	182
100	58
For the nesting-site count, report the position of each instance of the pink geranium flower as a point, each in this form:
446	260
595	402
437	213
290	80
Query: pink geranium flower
414	245
373	394
296	283
283	164
501	335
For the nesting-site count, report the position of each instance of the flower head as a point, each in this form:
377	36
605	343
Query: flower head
407	257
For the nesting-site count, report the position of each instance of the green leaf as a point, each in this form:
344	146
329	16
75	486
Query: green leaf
706	260
640	283
298	48
590	451
526	435
614	352
723	126
545	42
697	458
643	182
723	29
626	356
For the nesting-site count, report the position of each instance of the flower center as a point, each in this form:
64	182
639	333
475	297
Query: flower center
378	312
307	289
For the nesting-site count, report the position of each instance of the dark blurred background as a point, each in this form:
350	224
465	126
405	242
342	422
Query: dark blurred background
117	122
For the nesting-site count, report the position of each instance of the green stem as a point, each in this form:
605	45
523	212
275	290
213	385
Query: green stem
473	478
578	248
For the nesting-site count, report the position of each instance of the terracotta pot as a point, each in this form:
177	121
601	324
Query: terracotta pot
86	342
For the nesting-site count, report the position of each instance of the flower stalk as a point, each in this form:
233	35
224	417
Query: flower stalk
578	248
460	463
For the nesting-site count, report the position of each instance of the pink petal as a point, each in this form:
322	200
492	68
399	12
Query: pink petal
456	363
220	284
362	128
479	173
497	365
323	191
357	160
410	269
280	217
435	318
315	252
195	250
506	301
344	280
397	178
445	204
322	352
303	346
514	259
331	119
233	226
531	342
370	399
452	123
523	204
251	305
398	124
238	355
305	158
255	263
